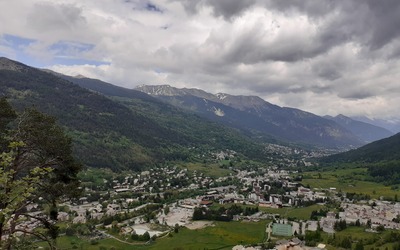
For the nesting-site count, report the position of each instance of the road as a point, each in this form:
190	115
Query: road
126	242
268	231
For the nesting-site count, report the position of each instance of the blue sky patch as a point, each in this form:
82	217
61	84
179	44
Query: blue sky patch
66	47
64	52
153	7
17	45
16	42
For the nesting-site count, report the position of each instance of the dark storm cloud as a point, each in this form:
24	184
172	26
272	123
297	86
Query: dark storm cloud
229	8
225	8
385	22
357	94
250	50
371	23
311	8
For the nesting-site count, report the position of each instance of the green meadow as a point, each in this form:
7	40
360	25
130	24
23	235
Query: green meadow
301	213
353	180
222	235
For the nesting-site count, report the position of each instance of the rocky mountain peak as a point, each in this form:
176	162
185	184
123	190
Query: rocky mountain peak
160	90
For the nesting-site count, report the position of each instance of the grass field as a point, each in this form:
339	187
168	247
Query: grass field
223	235
348	180
302	213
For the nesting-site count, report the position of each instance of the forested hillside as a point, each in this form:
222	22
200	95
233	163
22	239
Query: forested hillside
381	157
109	134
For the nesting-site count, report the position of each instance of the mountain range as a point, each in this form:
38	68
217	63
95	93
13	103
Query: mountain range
266	120
393	125
122	128
365	131
251	115
108	133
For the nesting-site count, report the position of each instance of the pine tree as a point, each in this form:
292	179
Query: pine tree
35	161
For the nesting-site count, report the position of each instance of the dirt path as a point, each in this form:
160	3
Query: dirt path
199	224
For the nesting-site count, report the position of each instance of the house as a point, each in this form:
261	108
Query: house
62	216
206	203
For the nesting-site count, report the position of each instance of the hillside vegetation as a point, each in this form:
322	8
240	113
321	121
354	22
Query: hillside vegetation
382	158
107	133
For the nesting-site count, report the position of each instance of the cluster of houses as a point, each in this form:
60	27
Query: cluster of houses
375	213
264	187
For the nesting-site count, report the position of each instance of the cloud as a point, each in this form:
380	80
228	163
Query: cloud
227	9
47	17
325	56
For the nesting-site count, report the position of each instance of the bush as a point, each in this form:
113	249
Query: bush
94	242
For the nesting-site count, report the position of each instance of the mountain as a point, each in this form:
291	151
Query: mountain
381	158
169	115
391	125
367	132
104	88
387	149
258	117
108	133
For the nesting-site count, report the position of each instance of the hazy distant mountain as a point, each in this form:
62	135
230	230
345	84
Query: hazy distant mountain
108	133
363	130
260	117
391	125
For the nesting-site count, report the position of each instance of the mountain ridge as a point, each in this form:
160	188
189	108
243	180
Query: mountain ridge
110	134
387	149
289	124
363	130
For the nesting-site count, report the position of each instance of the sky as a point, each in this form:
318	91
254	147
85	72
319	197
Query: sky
328	57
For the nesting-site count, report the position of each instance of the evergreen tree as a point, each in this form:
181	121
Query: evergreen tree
35	161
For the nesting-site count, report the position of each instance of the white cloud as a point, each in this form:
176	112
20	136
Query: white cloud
328	57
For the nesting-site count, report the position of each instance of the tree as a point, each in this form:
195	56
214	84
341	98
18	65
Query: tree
340	225
35	162
166	210
369	223
146	236
346	243
380	228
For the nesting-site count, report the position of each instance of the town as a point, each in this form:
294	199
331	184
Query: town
138	208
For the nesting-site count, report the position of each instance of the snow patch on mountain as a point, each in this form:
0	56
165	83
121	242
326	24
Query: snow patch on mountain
218	111
221	96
